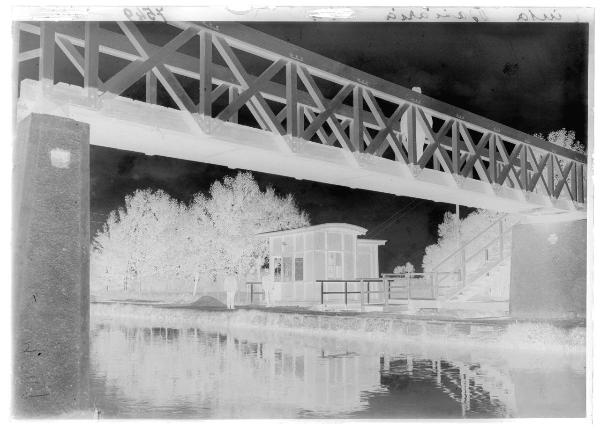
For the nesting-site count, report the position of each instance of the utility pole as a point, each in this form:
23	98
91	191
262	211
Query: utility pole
457	225
458	244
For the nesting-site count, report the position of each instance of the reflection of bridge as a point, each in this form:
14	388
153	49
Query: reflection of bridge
281	378
245	99
477	389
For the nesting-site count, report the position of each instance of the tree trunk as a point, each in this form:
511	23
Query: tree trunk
241	278
196	278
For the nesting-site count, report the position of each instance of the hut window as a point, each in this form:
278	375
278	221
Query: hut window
277	269
334	265
299	269
334	241
287	269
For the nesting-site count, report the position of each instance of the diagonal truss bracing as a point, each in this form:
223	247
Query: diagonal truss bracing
307	97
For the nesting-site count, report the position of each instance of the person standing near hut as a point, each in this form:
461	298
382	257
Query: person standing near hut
268	286
230	285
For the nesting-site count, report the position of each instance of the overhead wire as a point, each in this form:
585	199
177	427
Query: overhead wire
394	217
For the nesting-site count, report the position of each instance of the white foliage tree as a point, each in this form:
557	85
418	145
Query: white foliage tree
154	235
406	268
238	210
136	240
109	259
564	138
195	241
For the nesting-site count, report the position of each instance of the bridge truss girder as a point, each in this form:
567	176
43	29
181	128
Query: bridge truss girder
303	97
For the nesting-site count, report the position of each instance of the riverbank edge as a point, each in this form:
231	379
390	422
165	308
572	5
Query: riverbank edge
503	334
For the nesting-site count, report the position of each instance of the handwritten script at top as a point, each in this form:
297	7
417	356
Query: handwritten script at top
531	16
425	14
468	15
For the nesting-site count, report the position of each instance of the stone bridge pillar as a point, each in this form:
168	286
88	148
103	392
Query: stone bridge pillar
51	267
548	269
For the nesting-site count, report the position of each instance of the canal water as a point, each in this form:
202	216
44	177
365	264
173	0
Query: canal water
149	371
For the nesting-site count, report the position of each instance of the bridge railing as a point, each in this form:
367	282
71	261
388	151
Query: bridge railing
227	72
388	289
407	286
366	288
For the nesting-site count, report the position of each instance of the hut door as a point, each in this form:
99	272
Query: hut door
364	266
277	278
287	290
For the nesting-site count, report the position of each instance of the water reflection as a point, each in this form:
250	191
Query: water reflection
162	372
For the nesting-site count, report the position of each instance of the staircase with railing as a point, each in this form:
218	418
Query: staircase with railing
479	269
476	276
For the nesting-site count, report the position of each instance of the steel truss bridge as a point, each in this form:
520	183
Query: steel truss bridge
240	98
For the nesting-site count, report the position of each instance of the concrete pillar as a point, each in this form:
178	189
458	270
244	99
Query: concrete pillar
536	395
548	270
51	267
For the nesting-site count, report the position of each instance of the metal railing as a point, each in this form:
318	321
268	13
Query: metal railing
407	286
252	290
365	289
472	249
421	133
412	286
394	287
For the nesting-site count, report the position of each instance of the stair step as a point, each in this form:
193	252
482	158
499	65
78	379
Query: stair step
395	308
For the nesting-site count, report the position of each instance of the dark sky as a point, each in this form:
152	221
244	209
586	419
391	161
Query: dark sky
532	77
411	223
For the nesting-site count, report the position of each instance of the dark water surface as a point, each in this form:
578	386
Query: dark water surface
157	372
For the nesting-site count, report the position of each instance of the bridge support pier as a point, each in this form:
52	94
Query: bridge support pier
548	269
51	267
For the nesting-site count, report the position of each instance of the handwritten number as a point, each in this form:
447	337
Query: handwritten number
144	14
158	11
149	13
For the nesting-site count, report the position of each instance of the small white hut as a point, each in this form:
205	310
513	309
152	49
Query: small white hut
299	258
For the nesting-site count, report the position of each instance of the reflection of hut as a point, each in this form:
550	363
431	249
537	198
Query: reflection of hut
331	251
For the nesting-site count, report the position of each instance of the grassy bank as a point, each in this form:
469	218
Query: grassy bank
180	298
506	335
